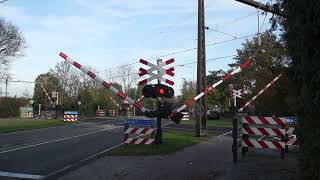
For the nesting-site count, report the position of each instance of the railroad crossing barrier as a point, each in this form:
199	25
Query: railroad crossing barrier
113	113
144	129
26	112
70	116
100	113
263	132
28	115
186	116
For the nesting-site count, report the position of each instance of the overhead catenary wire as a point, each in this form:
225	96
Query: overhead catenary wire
215	27
179	65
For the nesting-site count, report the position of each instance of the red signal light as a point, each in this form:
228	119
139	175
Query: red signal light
161	91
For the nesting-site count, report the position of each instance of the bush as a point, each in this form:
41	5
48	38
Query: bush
9	107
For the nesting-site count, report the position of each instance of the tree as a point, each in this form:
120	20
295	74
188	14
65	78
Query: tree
220	95
50	83
301	27
12	43
128	77
187	90
269	59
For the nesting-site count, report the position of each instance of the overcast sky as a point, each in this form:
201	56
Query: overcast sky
108	33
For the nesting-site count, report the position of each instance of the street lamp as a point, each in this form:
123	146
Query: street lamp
79	103
191	84
31	102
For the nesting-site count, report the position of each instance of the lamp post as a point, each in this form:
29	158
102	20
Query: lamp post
31	102
193	93
79	103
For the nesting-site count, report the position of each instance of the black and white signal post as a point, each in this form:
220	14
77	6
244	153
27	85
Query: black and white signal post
158	91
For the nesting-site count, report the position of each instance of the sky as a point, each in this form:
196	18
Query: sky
105	34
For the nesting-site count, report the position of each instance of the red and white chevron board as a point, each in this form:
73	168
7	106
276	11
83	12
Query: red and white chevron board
263	120
159	68
292	141
206	91
263	131
260	92
289	130
135	140
263	144
70	118
47	94
104	83
134	130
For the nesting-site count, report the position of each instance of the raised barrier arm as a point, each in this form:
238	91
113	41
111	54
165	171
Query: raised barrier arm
260	92
206	91
104	83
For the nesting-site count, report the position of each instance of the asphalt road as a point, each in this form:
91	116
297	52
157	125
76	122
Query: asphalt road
44	151
34	154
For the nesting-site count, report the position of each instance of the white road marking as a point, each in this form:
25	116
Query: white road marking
224	134
56	140
167	124
19	175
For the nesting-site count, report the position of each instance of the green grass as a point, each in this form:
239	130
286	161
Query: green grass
217	123
17	124
172	142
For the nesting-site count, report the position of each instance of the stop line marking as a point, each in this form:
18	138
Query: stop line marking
57	140
19	175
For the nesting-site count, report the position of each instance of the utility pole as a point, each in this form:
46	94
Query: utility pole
265	7
6	86
159	128
201	118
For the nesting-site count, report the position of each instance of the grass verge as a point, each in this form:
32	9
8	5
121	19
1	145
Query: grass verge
172	142
217	122
17	124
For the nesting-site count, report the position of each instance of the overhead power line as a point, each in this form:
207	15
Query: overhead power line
192	62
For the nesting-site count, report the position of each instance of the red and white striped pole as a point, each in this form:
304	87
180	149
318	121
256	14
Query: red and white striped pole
206	91
115	102
47	94
260	92
104	83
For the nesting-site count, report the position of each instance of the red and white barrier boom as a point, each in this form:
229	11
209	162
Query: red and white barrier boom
115	102
136	101
260	92
47	94
104	83
206	91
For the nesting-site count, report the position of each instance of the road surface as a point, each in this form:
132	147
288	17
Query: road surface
33	154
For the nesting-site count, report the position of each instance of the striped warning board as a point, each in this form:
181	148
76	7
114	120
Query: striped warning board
263	120
100	113
70	116
140	132
28	114
186	116
263	144
146	135
263	131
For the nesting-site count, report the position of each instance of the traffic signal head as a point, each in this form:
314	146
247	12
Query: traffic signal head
177	117
164	109
157	90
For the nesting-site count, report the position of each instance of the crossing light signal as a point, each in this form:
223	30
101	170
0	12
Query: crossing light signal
157	90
